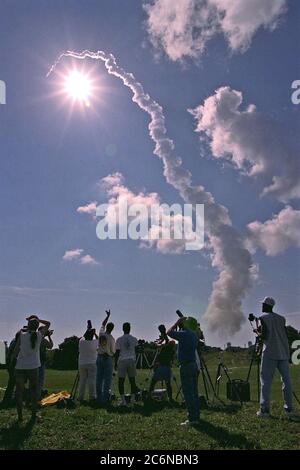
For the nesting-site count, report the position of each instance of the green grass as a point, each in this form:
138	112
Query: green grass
228	427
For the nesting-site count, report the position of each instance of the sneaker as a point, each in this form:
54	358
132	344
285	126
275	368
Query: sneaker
263	414
189	423
123	403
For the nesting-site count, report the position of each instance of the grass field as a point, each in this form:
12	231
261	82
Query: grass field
158	427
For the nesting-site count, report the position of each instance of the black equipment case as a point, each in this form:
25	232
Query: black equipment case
238	390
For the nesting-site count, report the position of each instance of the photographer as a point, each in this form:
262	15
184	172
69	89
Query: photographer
125	362
275	355
27	355
106	351
162	369
187	347
87	363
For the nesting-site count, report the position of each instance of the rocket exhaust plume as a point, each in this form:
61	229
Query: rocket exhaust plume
229	254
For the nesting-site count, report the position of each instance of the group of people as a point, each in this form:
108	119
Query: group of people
100	353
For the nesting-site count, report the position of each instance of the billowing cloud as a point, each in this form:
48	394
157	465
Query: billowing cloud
277	234
71	255
79	256
113	180
157	235
253	143
88	260
89	208
182	28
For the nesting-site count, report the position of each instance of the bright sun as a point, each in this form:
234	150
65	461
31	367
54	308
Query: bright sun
78	86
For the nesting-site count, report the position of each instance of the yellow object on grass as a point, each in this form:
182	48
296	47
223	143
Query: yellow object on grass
54	398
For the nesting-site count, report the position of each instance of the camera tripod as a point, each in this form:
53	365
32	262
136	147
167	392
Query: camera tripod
75	387
256	357
141	359
206	378
223	368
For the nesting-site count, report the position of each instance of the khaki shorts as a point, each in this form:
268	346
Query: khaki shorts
126	367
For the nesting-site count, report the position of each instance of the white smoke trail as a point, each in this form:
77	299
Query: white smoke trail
229	254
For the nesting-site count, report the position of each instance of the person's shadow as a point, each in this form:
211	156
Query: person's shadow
224	438
13	437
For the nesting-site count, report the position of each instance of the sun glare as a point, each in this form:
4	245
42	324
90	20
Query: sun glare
78	86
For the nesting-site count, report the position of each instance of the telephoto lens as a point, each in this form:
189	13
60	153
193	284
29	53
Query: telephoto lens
179	313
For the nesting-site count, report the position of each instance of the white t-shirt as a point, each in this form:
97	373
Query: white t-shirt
87	351
126	344
107	344
28	357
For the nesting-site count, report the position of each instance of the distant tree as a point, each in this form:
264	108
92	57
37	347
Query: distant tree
66	356
292	334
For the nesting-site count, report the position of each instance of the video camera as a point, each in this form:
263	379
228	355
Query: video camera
252	318
141	345
256	330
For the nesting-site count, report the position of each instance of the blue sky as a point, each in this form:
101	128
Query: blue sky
52	162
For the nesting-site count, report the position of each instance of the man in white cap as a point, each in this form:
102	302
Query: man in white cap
275	355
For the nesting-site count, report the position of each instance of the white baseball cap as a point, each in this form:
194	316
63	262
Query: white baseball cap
268	301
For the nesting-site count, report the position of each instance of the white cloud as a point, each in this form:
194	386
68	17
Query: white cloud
71	255
115	190
88	260
89	208
253	143
78	256
114	179
182	28
277	234
240	19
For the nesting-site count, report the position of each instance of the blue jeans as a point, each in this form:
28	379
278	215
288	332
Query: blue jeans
268	367
189	383
104	377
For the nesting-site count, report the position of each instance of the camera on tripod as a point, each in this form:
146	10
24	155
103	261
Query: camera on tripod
253	318
140	346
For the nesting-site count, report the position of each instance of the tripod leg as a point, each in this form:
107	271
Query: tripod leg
204	384
217	381
208	377
147	362
75	386
250	367
258	380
